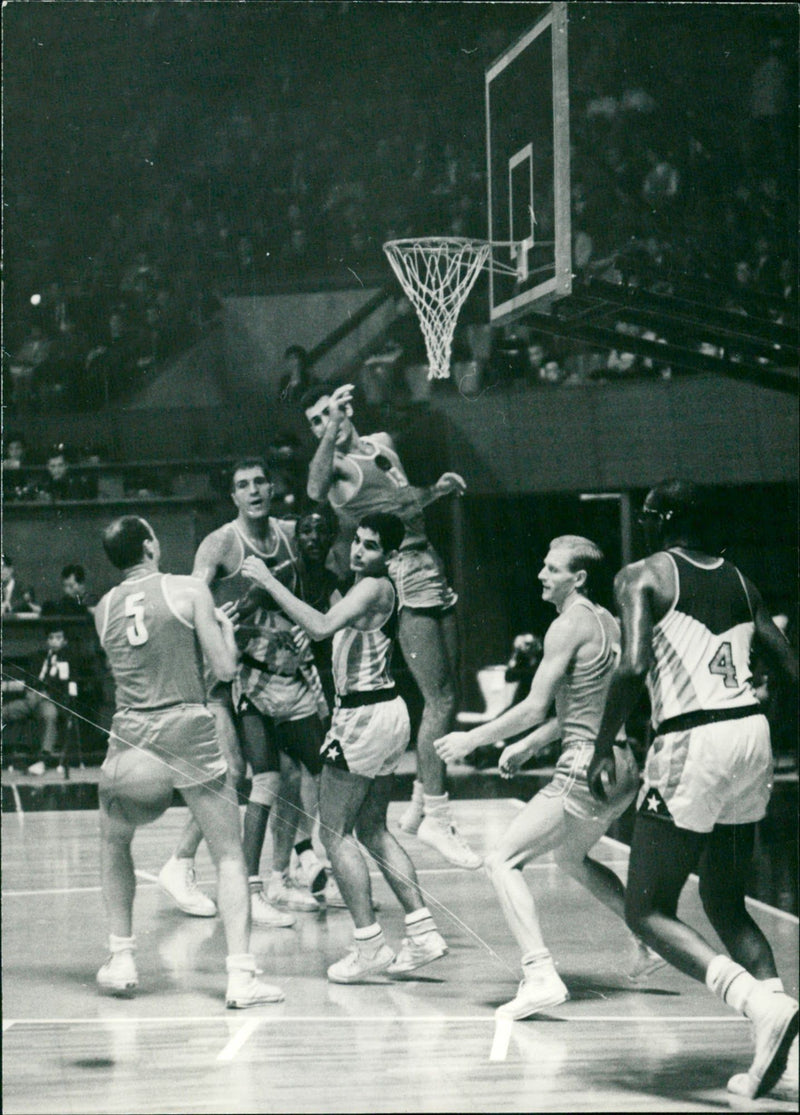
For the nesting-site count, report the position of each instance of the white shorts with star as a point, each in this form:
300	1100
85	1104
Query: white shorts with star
717	774
368	740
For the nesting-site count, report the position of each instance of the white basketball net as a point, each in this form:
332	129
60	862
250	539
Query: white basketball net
437	273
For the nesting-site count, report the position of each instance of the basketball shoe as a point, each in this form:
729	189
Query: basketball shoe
775	1026
282	890
785	1089
118	975
177	879
245	989
361	962
437	830
262	913
416	950
541	987
645	961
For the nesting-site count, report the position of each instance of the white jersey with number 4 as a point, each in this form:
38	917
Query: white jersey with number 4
701	648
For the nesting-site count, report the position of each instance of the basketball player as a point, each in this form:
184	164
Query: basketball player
276	695
688	623
358	475
155	628
580	650
368	734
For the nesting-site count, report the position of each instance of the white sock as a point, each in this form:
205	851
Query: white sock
420	922
436	805
121	944
255	884
417	791
730	982
537	959
369	939
240	962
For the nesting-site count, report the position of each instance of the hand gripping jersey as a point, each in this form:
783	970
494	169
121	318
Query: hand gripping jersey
701	648
362	659
277	672
153	652
382	486
581	694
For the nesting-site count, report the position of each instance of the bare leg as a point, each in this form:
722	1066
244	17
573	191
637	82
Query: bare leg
218	818
540	827
427	643
598	879
341	797
392	859
116	870
228	739
286	813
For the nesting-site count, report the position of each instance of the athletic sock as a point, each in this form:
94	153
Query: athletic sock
421	921
536	959
369	939
436	805
255	883
120	944
730	982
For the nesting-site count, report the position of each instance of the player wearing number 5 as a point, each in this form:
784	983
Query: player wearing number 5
155	629
688	623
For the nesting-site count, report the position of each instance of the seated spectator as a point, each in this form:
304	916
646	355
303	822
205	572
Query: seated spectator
75	599
48	698
15	599
295	381
61	483
17	482
15	451
551	373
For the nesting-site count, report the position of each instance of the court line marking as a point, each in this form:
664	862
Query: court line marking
501	1039
338	1020
239	1039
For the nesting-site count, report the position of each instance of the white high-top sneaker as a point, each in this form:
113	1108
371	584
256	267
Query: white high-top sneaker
244	988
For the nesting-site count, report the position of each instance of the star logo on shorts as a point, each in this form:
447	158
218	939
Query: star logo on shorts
334	755
653	805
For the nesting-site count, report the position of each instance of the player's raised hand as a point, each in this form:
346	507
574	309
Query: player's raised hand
341	404
455	745
451	482
228	615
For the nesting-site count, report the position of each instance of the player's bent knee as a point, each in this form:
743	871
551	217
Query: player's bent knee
265	789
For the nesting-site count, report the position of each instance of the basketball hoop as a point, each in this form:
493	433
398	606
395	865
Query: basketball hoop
437	273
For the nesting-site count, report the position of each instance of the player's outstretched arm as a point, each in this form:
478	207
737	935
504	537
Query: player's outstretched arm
560	645
322	471
523	749
367	597
449	483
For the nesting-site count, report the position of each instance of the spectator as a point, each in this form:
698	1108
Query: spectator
16	449
295	381
75	599
15	599
48	698
61	483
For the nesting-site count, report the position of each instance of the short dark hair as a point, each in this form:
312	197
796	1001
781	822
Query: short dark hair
73	570
583	554
678	501
315	393
388	528
123	540
249	462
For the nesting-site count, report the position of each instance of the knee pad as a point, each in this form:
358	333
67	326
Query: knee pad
265	788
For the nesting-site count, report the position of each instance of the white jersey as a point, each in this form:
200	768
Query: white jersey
701	648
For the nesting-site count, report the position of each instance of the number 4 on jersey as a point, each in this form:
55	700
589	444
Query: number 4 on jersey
723	665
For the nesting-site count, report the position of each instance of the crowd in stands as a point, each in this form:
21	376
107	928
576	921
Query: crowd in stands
277	173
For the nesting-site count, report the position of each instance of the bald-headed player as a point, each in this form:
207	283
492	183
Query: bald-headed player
155	630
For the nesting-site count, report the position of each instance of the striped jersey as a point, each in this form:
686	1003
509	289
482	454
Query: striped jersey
382	486
581	695
362	659
153	652
701	648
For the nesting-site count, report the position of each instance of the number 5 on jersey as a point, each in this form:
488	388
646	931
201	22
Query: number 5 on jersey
136	631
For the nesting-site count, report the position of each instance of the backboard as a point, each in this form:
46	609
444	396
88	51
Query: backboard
527	153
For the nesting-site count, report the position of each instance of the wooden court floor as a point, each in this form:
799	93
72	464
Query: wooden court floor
427	1043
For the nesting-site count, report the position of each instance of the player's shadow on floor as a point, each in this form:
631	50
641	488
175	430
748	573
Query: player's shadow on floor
583	988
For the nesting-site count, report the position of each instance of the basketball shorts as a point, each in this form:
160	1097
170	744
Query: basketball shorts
368	740
264	739
715	774
418	576
184	737
570	783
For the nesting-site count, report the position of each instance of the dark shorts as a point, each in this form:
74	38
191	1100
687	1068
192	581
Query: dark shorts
263	739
